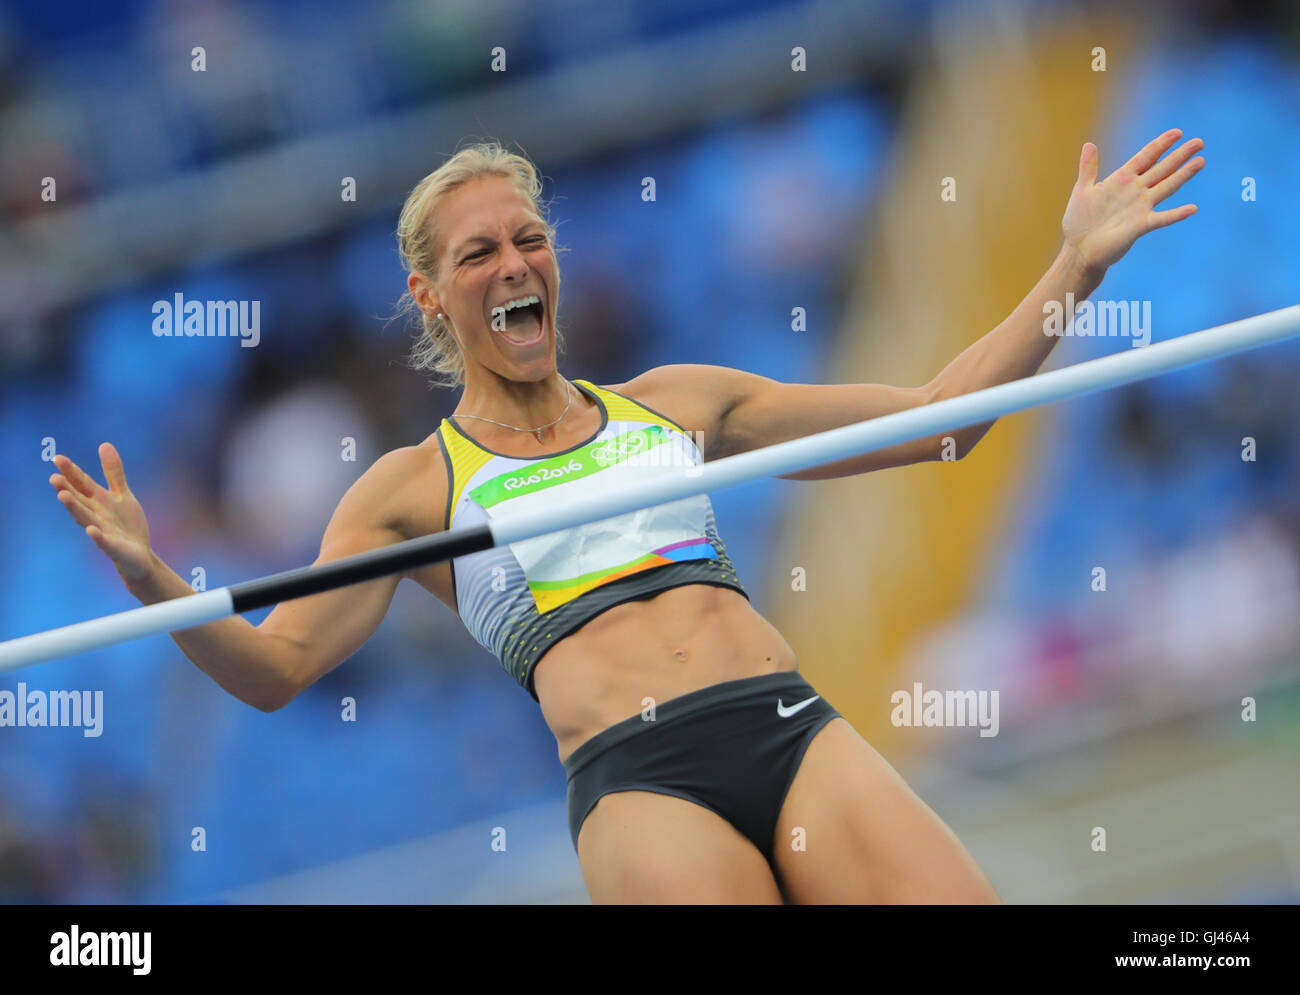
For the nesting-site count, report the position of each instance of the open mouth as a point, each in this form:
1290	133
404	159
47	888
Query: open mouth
524	325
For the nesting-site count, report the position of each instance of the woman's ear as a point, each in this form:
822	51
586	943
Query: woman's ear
422	293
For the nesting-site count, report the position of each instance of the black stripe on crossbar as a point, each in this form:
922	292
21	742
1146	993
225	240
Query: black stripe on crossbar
375	563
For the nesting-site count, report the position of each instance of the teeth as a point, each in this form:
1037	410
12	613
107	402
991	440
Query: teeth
509	306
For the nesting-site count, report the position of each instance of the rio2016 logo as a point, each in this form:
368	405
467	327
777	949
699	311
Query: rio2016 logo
542	473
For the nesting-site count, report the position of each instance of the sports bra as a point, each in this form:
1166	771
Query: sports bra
519	600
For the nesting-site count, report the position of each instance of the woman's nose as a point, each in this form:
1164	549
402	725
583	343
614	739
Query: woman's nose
513	262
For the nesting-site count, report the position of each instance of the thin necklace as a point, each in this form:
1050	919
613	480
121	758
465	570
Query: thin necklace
536	431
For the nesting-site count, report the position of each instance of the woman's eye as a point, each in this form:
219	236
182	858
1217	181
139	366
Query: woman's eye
535	239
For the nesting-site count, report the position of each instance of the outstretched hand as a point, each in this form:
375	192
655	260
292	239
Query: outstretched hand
111	516
1103	220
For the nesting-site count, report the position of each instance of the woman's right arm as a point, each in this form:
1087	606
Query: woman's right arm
300	640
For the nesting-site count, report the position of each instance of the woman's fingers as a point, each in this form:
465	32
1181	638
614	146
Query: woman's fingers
1172	161
1154	149
1167	187
76	475
1163	219
78	507
114	472
102	541
1089	161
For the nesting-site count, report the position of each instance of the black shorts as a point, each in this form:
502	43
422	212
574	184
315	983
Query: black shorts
733	747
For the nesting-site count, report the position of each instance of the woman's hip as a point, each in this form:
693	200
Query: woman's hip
733	747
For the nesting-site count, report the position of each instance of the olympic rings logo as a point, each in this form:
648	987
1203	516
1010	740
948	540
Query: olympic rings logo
616	450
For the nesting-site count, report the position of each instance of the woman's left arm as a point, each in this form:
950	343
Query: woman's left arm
1101	222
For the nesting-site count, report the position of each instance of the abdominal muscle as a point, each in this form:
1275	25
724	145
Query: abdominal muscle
657	648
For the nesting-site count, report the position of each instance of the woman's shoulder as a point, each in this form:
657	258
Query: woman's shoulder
408	486
694	395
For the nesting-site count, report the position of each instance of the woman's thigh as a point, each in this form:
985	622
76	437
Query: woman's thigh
646	847
852	831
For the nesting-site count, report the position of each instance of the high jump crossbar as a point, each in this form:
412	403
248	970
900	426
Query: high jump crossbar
979	406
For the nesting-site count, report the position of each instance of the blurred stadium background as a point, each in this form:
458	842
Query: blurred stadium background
776	189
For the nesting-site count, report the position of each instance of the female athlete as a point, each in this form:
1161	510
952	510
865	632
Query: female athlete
701	767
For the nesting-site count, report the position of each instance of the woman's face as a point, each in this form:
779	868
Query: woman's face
495	249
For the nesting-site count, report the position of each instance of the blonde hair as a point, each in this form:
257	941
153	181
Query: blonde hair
419	242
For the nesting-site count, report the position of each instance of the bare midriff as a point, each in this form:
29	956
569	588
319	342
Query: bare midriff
657	648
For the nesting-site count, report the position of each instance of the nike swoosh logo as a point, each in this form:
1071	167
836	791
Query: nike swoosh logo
785	712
